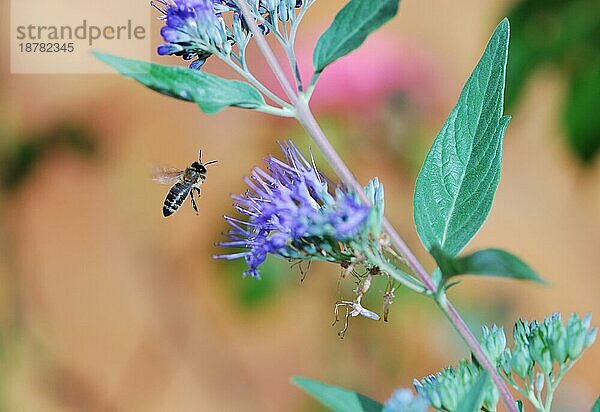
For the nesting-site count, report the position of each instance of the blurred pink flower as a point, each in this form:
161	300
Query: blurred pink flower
382	67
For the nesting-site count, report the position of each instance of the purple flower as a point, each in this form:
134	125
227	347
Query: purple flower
290	212
193	29
196	29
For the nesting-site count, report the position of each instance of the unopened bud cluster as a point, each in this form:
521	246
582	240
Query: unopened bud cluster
549	345
447	388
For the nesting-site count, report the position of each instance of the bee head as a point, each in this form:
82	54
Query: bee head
199	167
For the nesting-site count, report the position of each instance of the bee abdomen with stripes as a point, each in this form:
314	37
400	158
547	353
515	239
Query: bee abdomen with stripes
175	198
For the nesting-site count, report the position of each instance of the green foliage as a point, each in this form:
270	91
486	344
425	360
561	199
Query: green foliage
337	399
580	113
490	262
350	28
474	398
24	154
251	295
456	185
596	407
211	93
563	34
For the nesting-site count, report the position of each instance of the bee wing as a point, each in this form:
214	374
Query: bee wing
166	175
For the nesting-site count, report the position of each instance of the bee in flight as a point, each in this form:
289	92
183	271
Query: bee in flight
184	183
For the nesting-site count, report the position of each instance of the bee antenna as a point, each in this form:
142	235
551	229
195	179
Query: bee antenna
200	155
211	162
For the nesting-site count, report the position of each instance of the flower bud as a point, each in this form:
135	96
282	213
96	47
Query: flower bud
557	341
539	382
576	336
545	362
493	342
521	361
587	321
448	395
591	337
521	332
538	349
505	361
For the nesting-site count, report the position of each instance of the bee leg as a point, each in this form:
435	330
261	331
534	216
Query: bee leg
193	202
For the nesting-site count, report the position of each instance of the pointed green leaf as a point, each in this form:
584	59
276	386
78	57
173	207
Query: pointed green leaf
210	92
456	185
596	407
337	399
350	28
473	400
490	262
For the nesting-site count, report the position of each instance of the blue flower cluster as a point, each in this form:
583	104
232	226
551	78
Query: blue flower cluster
196	29
291	213
193	29
404	400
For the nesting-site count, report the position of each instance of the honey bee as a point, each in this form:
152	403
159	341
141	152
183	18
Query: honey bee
184	183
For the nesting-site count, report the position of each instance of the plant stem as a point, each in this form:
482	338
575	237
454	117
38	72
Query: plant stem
275	111
254	81
552	384
308	121
289	49
287	43
462	328
267	52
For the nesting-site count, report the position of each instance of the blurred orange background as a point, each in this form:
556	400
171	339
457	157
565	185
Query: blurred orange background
107	306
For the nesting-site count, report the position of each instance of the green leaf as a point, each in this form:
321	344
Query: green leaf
337	399
456	185
490	262
473	400
581	113
596	407
210	92
562	35
559	33
350	28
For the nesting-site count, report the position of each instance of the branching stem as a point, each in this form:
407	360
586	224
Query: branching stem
241	70
308	121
